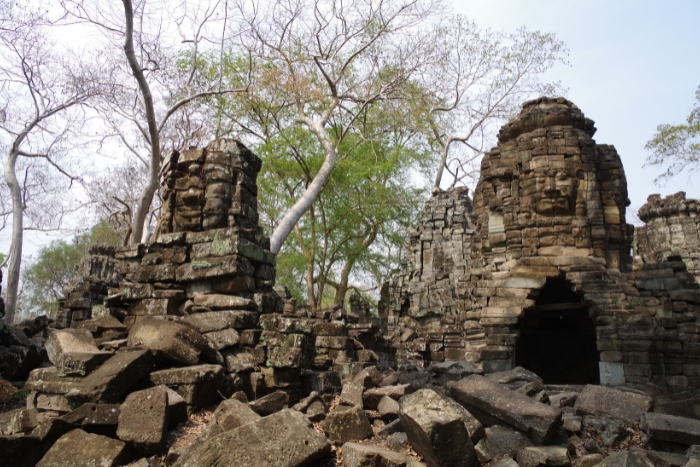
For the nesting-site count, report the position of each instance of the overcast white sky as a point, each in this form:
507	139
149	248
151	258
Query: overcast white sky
634	65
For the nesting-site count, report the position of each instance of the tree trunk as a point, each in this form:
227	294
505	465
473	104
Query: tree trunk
15	263
151	185
307	199
342	287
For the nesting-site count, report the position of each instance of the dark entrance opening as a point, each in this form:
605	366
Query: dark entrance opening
557	337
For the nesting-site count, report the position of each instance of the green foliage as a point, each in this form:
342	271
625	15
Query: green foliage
54	267
676	148
21	394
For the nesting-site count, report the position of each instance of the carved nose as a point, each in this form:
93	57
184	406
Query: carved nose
550	189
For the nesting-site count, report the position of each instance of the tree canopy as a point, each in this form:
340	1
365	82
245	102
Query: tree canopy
676	148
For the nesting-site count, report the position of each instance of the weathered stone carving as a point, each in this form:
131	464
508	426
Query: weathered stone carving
550	282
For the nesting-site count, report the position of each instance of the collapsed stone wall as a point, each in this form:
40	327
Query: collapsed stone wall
671	230
427	295
208	277
550	281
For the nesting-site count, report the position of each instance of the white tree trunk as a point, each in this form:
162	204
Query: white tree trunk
15	263
307	199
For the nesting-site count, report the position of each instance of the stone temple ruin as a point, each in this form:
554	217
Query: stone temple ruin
511	311
539	269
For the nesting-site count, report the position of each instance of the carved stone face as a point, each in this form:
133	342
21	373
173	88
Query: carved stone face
557	190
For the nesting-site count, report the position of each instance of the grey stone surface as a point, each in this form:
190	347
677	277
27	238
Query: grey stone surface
283	439
349	425
80	449
543	455
488	402
269	404
143	420
436	430
170	341
662	427
360	455
613	403
499	441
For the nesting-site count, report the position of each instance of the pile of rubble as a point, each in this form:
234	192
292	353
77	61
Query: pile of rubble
449	414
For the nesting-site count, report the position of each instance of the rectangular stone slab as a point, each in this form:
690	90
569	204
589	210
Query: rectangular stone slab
284	439
663	427
47	380
224	302
218	320
114	378
483	397
612	403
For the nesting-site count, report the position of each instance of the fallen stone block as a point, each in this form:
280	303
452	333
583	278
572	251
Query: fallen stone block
221	339
323	382
537	456
368	378
283	439
679	430
689	408
198	385
612	403
351	395
589	460
388	408
80	449
80	363
505	462
435	430
102	324
143	420
626	459
177	408
348	425
238	359
94	417
360	455
474	426
22	420
491	404
499	441
170	341
113	379
667	459
373	396
269	404
230	414
53	403
217	320
224	302
69	340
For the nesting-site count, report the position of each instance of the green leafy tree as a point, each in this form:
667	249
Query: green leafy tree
676	148
54	267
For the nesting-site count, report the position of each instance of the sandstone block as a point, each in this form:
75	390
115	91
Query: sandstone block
388	408
113	379
435	430
269	404
543	455
218	320
598	400
224	302
221	339
186	375
490	402
283	439
80	449
170	341
143	420
373	396
69	340
662	427
499	441
351	394
348	425
626	459
360	455
228	415
94	416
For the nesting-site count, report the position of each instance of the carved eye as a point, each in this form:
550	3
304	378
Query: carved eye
562	175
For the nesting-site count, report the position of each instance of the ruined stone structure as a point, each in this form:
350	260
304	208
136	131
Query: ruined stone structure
209	268
550	282
672	230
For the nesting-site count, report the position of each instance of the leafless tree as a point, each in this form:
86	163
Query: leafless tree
40	96
155	76
478	79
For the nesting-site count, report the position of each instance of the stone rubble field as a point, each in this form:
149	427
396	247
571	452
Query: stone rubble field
127	412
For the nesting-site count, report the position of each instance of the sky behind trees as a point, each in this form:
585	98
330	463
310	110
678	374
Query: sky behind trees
633	65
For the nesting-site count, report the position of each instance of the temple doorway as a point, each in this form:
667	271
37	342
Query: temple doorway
557	337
